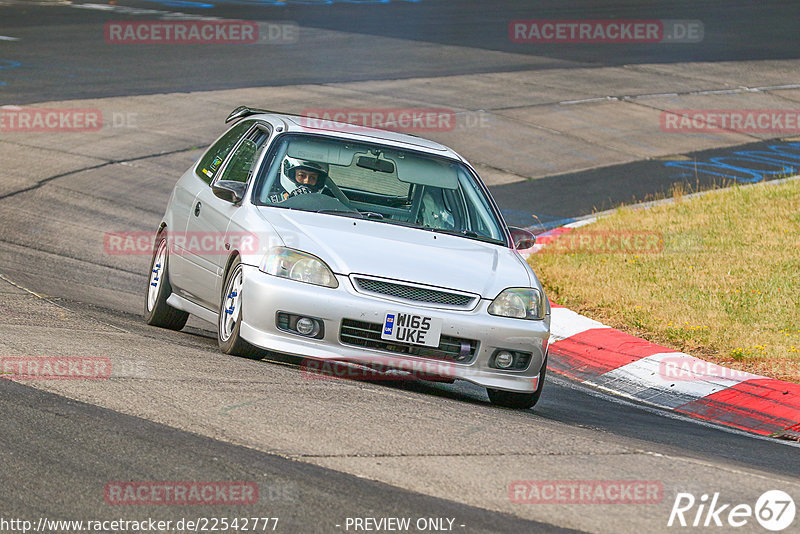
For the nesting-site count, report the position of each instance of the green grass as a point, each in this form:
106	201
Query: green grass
725	286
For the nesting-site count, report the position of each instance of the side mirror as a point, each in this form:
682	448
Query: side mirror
229	190
522	239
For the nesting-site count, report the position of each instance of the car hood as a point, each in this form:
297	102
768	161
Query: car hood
361	246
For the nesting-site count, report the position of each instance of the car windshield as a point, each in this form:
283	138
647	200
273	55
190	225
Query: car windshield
340	177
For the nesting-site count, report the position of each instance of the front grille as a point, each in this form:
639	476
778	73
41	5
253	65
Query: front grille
368	335
414	293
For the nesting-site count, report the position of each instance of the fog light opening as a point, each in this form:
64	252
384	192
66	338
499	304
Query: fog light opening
504	360
510	360
306	326
300	325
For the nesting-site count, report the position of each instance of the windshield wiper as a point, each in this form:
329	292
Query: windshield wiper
371	215
463	233
345	213
353	213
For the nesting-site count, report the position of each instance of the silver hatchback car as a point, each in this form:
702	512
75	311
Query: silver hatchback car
339	243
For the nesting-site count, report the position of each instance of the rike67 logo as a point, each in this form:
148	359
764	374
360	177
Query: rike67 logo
774	510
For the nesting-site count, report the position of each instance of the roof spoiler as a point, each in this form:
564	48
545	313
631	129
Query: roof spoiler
244	111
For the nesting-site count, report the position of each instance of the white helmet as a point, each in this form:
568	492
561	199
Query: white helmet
290	165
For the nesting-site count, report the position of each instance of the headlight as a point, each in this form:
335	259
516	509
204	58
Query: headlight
300	266
519	302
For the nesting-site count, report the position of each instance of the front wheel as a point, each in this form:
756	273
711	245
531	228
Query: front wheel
230	317
156	310
513	399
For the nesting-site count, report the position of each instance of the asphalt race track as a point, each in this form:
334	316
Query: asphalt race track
323	452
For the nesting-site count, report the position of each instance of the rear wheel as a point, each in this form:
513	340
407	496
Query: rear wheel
513	399
156	310
230	317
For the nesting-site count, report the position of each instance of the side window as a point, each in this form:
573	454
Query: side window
213	158
240	165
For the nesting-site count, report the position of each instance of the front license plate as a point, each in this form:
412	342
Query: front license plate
410	328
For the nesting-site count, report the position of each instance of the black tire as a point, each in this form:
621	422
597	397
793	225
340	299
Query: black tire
156	310
520	401
230	342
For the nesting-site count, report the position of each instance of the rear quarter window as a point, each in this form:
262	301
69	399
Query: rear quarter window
212	160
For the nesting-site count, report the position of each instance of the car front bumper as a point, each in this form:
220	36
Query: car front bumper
263	296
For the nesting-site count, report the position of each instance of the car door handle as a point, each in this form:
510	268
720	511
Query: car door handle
197	209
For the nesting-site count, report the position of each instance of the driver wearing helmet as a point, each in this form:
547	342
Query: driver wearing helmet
299	177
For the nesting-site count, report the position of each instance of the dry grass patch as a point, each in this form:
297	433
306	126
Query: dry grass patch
723	283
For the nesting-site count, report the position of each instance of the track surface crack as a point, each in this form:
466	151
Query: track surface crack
49	179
